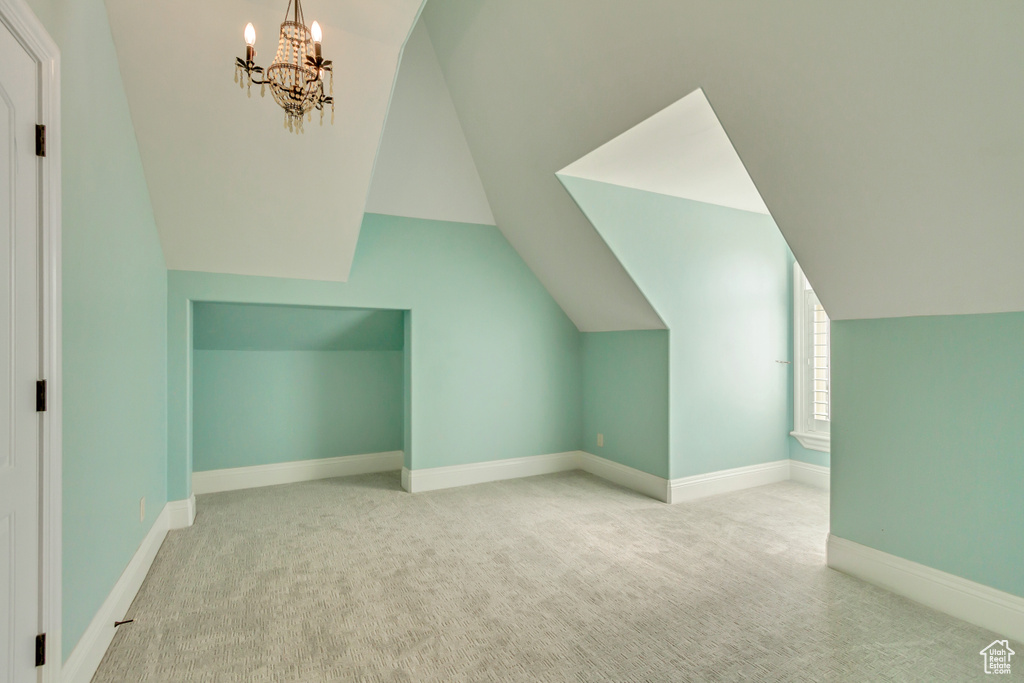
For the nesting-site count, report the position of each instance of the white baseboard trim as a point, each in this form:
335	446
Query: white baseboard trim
89	651
999	612
812	475
726	481
674	491
181	514
623	475
435	478
236	478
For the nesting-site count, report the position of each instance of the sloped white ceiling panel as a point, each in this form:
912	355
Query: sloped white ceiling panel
885	138
232	190
682	151
424	168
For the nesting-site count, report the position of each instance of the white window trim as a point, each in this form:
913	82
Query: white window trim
812	434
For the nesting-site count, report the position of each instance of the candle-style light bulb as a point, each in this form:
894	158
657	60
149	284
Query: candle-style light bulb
250	34
318	34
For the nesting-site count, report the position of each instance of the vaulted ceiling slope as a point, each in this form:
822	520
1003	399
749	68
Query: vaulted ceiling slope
424	167
885	138
232	190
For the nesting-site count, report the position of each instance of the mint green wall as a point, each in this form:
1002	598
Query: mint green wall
262	407
719	278
255	327
496	368
114	344
626	397
928	441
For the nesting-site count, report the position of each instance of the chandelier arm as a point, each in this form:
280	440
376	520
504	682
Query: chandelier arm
250	68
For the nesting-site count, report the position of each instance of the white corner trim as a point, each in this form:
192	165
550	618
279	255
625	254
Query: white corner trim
89	651
435	478
725	481
181	514
1002	613
236	478
648	484
814	441
812	475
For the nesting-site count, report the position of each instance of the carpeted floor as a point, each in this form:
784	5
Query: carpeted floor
555	578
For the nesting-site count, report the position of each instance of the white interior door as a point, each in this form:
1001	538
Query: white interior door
20	425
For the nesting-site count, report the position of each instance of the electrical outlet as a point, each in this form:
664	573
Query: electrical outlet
600	439
142	509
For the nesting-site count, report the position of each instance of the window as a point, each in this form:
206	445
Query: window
811	366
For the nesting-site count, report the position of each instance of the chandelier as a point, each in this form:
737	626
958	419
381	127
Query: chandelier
296	77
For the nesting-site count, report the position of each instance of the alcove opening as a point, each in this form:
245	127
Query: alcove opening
299	386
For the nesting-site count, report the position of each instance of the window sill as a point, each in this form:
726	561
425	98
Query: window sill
814	441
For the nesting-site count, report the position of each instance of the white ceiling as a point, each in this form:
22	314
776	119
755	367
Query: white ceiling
681	151
424	168
885	138
232	190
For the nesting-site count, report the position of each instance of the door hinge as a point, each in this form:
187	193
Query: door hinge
41	396
40	140
41	649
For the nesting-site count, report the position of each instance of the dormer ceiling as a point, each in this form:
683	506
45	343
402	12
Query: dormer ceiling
682	151
424	167
232	190
886	139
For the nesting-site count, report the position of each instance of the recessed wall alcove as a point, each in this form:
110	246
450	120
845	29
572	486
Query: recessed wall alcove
275	384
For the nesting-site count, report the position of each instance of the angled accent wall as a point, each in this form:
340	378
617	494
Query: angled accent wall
719	278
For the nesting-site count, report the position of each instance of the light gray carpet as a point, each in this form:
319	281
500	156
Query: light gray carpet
555	578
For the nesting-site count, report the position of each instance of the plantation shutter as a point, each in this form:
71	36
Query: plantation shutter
820	362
